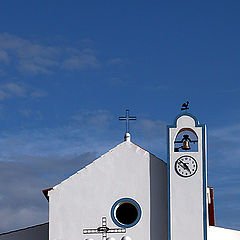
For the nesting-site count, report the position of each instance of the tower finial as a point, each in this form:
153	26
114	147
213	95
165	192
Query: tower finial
127	137
127	118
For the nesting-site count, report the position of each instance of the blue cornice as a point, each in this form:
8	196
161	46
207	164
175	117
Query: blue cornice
197	124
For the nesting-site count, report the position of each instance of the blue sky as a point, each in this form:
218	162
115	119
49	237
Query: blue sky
68	69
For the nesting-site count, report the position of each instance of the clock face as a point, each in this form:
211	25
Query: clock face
186	166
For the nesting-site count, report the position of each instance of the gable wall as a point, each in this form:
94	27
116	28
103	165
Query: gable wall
82	200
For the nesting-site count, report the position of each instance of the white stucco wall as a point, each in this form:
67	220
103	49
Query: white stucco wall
83	199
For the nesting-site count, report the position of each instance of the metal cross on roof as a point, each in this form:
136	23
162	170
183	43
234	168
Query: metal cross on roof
104	230
127	118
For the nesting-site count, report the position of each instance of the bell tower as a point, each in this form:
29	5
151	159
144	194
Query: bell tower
187	177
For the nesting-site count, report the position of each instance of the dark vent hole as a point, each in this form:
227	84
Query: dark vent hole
126	213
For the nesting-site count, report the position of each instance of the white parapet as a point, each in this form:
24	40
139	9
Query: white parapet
217	233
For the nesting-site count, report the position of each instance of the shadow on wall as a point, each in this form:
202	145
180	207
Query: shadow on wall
158	199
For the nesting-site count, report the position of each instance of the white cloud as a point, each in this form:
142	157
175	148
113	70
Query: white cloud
80	59
37	93
95	119
4	56
3	94
29	56
230	133
151	128
116	81
224	145
15	89
25	112
115	61
12	89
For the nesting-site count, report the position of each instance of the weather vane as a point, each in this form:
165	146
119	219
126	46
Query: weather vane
127	118
104	230
185	106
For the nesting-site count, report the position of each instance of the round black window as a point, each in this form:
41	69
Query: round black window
126	212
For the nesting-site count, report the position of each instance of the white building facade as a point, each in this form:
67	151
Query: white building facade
128	193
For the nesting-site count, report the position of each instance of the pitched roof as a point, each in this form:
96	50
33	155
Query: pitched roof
45	191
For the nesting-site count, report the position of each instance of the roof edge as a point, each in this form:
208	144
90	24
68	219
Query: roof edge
21	229
45	192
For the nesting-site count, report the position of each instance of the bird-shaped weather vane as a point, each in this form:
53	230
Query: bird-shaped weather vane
185	106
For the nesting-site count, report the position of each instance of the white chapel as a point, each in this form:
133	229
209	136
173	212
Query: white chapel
130	194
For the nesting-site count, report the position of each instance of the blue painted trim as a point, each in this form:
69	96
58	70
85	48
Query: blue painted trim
204	182
184	114
168	177
197	124
122	200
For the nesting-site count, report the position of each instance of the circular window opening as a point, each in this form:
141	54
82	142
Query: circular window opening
126	212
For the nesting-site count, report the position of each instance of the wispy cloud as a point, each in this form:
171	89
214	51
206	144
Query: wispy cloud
25	112
115	61
80	60
229	133
233	90
150	128
116	81
13	89
4	56
224	143
94	119
38	93
28	56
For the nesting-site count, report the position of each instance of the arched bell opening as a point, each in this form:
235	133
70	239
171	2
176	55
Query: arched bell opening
186	141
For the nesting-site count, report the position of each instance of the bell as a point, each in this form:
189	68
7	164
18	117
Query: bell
185	145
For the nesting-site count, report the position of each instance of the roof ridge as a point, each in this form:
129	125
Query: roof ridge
148	151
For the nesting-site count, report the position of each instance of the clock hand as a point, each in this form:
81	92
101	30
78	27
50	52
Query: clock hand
188	168
184	165
181	161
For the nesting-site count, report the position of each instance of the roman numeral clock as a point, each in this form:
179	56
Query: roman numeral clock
187	201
